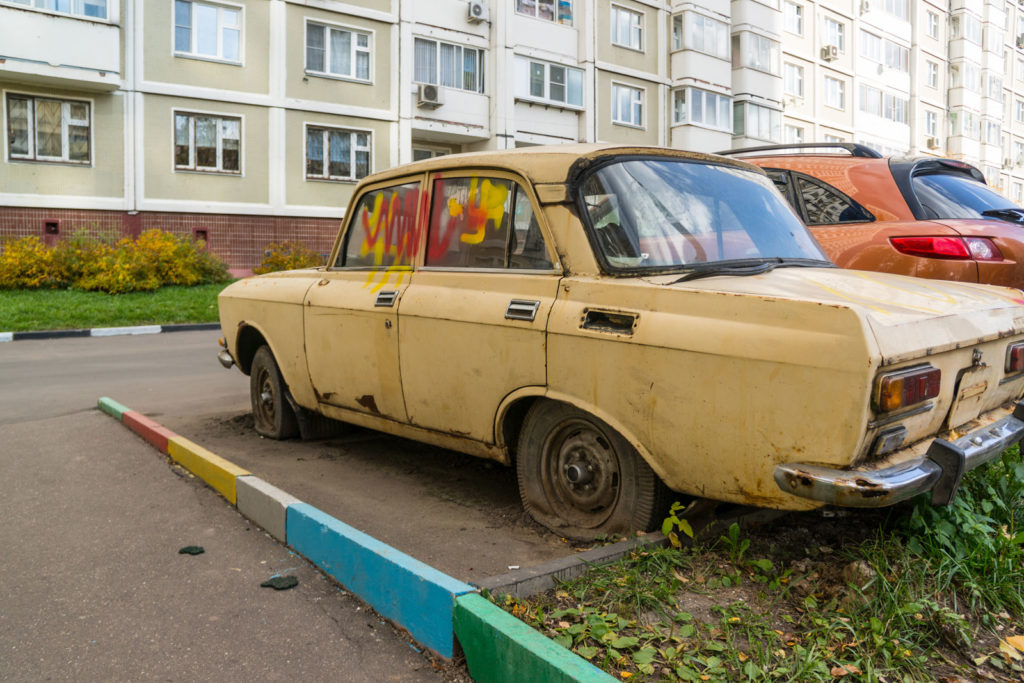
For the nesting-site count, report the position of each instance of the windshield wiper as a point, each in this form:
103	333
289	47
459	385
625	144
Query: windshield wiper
743	267
1014	215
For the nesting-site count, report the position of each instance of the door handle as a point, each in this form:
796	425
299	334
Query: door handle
520	309
386	299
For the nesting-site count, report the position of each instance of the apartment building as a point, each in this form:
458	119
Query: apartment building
243	122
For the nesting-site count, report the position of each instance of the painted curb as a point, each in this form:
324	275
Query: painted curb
112	407
264	504
412	594
500	648
210	467
107	331
151	431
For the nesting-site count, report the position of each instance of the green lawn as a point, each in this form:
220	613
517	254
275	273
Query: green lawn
28	310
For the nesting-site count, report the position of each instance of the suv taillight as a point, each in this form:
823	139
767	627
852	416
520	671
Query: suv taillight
962	248
905	388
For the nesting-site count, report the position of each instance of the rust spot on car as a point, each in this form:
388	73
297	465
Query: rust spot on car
866	484
369	403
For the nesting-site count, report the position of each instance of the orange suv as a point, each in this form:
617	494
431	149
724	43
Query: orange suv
929	217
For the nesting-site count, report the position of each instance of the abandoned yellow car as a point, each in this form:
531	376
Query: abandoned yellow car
629	326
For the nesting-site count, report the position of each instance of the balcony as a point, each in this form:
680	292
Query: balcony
58	50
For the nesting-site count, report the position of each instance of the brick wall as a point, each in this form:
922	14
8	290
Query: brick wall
239	240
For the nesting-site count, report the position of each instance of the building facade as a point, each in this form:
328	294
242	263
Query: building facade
243	122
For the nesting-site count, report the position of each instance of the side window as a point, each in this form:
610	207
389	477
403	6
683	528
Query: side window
827	206
781	180
382	229
527	249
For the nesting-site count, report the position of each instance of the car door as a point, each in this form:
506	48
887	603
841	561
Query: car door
351	314
473	322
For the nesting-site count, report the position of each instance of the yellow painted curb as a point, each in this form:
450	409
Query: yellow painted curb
211	468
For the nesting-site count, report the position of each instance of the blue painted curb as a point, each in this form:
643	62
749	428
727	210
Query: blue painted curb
401	588
107	331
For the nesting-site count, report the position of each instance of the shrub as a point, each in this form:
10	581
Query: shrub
287	256
155	259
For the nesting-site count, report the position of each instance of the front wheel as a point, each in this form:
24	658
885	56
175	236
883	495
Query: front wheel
272	416
580	478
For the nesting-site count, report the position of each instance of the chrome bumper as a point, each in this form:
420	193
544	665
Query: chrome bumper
225	359
939	471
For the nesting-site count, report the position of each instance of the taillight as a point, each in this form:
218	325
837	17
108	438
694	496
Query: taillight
906	388
1014	358
977	248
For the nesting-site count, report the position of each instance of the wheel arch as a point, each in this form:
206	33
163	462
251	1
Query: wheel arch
248	339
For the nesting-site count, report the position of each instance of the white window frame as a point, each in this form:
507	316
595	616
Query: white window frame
523	7
430	150
714	42
932	75
793	17
638	96
353	147
1018	111
636	20
897	8
772	113
686	98
481	61
932	24
66	121
193	165
793	135
747	52
931	124
193	51
829	92
354	50
834	33
74	8
524	73
788	83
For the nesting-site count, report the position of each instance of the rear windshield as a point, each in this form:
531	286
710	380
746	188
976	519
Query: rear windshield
663	214
949	195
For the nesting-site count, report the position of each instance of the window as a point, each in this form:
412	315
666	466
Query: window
1018	152
897	8
992	132
692	105
931	124
336	153
871	46
451	66
94	9
793	79
627	105
793	16
205	30
703	34
549	10
46	129
886	105
549	83
825	205
933	74
1018	192
383	239
994	41
884	51
484	223
1018	111
835	93
421	153
337	52
755	121
835	34
932	23
793	134
206	142
966	75
627	28
833	138
1019	73
756	52
995	87
966	26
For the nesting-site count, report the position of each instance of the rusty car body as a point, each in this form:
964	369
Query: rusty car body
627	326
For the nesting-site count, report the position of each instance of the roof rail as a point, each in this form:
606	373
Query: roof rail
855	149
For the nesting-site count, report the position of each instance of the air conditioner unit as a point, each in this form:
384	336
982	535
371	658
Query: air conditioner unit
1007	162
477	11
428	95
829	53
933	143
865	6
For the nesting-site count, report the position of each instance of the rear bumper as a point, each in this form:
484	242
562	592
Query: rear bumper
939	471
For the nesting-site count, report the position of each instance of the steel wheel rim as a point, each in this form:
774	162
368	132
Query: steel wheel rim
264	398
580	473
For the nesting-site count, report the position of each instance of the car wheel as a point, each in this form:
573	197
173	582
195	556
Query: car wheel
580	478
272	416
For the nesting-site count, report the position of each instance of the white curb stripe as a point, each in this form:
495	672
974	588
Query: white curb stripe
114	331
6	336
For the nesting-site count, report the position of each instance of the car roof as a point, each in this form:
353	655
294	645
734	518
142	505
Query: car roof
544	164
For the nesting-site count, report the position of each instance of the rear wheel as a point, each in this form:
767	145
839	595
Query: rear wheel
272	416
580	478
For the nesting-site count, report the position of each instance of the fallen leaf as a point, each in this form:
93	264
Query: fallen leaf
563	624
743	656
978	661
845	670
625	674
1009	651
1016	641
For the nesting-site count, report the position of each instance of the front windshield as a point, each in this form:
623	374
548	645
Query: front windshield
947	195
662	214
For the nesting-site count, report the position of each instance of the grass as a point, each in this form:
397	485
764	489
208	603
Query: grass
30	310
916	593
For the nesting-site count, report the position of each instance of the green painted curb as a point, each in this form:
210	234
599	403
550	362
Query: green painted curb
500	648
111	407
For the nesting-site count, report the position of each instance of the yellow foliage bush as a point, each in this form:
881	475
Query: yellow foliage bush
287	256
156	258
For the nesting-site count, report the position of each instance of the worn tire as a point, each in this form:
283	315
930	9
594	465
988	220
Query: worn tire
272	416
581	479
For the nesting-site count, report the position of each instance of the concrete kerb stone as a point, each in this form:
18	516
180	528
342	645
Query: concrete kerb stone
219	473
502	649
151	431
264	504
106	331
111	407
